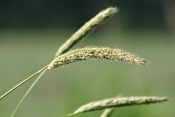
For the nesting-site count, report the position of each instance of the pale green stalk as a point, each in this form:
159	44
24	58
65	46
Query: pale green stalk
21	83
107	112
28	91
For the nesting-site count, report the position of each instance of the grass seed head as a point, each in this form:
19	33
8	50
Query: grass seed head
95	53
118	102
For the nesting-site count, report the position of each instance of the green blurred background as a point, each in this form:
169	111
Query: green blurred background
31	31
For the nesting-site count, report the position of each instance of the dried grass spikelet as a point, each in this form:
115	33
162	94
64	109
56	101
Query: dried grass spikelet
118	102
95	53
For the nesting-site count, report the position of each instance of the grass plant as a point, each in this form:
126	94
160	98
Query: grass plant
63	57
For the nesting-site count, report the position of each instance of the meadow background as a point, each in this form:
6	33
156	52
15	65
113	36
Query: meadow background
32	31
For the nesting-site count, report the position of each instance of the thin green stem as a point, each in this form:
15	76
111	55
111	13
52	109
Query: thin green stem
21	83
28	91
108	112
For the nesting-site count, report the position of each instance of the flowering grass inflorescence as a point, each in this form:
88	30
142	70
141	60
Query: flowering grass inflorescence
95	53
118	102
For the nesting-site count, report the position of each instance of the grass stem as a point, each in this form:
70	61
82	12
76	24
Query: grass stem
28	91
108	112
21	83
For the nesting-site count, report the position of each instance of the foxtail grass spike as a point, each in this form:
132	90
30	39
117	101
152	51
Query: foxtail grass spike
86	29
118	102
95	53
